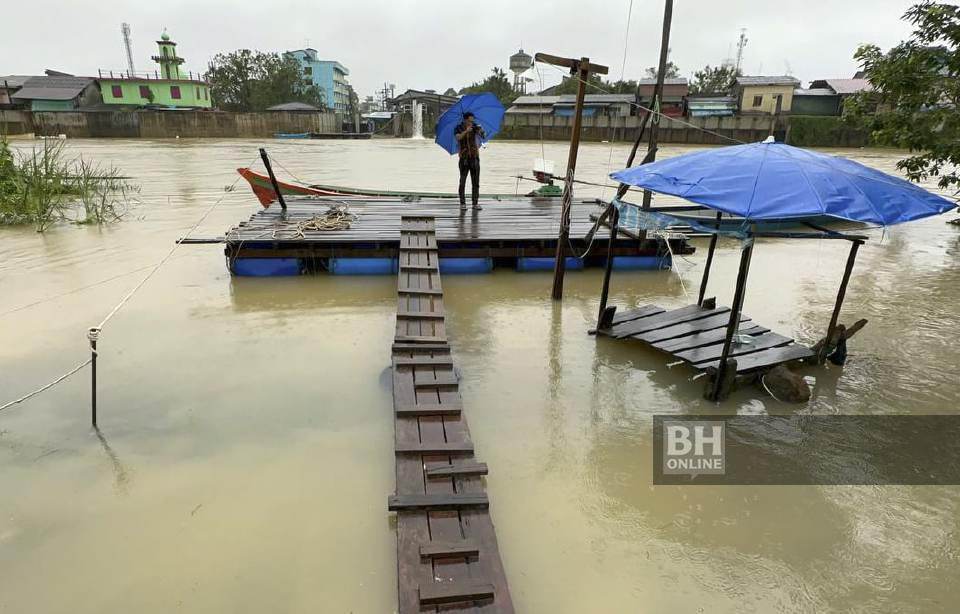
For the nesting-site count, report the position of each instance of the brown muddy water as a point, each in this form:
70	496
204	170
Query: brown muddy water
245	458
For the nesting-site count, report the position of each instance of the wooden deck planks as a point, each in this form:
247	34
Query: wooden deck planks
695	335
440	497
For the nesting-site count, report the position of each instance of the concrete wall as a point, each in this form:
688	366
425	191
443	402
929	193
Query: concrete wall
747	129
186	124
15	122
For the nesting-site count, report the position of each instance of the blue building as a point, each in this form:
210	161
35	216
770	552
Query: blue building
328	75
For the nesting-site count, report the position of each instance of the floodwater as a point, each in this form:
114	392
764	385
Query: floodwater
245	455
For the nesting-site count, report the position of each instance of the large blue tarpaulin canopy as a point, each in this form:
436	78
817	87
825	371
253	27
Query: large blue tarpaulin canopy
774	181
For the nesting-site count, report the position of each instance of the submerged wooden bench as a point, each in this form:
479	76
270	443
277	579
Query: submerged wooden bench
447	554
694	334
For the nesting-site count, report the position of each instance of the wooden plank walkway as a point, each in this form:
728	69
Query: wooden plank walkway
505	230
695	334
447	554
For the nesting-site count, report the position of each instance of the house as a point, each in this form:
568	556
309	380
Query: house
766	95
815	101
58	93
169	87
711	106
842	89
329	76
9	85
594	105
675	91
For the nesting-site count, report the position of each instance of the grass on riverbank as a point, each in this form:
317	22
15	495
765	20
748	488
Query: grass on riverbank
43	186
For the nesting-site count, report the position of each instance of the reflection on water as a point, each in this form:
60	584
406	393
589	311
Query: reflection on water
249	434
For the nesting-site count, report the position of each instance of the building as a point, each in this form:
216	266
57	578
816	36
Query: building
675	90
760	94
815	101
168	87
711	106
430	99
10	85
329	76
842	89
594	105
58	93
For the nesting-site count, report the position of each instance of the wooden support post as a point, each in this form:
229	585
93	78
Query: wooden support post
706	267
582	69
734	324
605	291
658	92
841	293
273	179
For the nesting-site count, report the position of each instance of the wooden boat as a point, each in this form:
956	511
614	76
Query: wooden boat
291	135
261	186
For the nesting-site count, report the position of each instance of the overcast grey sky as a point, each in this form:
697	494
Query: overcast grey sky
439	44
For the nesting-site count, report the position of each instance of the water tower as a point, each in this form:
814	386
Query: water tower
520	63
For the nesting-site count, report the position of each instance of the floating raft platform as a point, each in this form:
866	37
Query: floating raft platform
695	334
518	233
447	554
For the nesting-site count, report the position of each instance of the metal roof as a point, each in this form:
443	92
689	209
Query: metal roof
762	80
293	106
815	91
843	86
13	81
568	99
53	88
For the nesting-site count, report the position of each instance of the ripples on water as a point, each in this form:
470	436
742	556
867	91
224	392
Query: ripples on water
245	457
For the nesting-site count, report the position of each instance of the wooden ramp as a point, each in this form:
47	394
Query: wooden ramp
447	554
695	334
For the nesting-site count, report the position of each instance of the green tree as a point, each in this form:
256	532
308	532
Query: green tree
569	85
713	80
497	83
246	80
916	94
672	71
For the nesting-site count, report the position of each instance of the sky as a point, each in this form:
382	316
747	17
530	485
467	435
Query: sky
436	44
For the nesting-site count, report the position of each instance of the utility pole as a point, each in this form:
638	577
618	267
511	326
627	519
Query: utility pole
658	95
582	69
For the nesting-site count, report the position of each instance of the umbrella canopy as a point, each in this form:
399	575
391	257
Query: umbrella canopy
774	181
487	111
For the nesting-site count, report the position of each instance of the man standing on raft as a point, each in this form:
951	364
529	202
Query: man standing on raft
469	134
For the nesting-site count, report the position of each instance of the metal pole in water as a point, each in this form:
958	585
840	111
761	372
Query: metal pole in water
93	334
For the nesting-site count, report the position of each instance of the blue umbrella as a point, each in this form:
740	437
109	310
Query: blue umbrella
487	111
774	181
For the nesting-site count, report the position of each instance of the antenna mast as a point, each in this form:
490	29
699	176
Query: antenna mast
741	43
128	47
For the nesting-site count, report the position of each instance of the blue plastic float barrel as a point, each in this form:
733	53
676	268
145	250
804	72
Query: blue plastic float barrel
266	267
546	264
363	266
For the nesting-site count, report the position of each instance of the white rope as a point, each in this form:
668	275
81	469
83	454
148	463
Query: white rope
48	386
167	257
623	67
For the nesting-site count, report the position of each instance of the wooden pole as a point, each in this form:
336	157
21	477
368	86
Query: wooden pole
841	294
622	190
273	179
608	269
734	324
582	69
658	90
709	263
